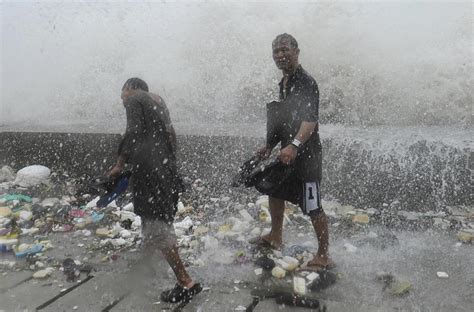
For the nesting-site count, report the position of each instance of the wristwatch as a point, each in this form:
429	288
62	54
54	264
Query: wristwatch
296	143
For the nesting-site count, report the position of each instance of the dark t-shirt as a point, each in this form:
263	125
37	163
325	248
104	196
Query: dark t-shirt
147	147
299	102
146	140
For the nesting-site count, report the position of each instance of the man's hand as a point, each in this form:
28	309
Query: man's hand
264	152
288	154
115	171
118	168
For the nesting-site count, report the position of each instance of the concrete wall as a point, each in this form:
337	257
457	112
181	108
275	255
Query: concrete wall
427	175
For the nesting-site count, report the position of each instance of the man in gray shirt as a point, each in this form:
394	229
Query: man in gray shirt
149	147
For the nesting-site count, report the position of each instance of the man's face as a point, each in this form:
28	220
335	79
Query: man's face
285	56
126	92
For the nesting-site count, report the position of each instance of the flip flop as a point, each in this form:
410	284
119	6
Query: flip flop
260	242
318	267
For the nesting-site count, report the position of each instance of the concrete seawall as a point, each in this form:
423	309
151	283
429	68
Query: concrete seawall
413	173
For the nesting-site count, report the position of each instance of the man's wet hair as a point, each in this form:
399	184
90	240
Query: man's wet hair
287	38
135	83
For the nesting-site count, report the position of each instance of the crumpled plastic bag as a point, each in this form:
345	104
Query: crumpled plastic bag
32	175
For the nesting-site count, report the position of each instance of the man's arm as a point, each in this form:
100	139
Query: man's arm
308	125
131	136
288	153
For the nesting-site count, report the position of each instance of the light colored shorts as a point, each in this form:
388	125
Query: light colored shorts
158	234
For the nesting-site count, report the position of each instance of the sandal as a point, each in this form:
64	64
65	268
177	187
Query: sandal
180	294
318	267
260	242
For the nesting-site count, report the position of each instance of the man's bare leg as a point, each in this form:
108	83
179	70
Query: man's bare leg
320	225
172	257
277	211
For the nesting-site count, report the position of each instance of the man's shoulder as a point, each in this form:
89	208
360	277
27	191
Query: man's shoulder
146	98
306	78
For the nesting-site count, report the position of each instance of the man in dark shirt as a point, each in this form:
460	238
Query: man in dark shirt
293	122
149	146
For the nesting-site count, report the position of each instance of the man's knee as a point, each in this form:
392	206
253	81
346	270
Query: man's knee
317	214
276	202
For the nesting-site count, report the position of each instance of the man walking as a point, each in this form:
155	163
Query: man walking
149	147
295	125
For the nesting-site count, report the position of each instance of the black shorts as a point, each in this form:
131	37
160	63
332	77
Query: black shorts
154	198
305	194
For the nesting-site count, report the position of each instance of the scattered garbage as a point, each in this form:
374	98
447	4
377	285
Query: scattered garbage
442	274
360	218
323	280
465	236
299	285
41	274
297	301
16	197
278	272
393	285
7	174
288	263
7	245
24	250
265	263
399	288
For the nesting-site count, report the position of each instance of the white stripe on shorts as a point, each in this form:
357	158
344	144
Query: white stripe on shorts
311	196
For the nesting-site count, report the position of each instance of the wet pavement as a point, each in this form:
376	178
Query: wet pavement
123	285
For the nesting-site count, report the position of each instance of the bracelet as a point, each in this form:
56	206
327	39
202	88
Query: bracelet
297	143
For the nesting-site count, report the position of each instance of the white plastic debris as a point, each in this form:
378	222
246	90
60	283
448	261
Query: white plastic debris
43	273
118	242
312	276
350	248
442	274
32	175
128	207
180	207
92	203
258	271
7	264
299	285
264	215
288	263
127	215
125	234
246	215
184	225
278	272
256	231
7	174
137	223
49	202
39	264
26	215
262	201
240	308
